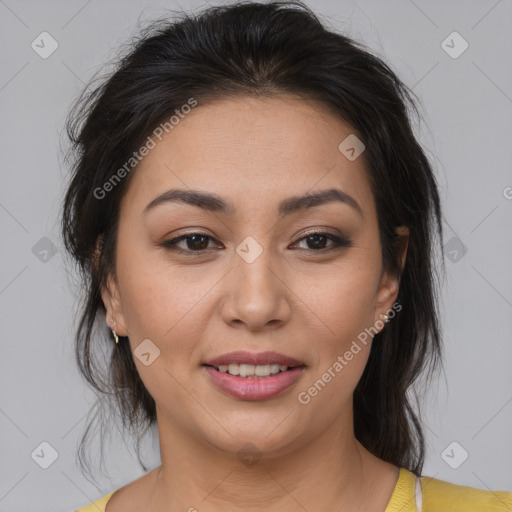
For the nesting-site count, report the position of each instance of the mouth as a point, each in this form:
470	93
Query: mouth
247	363
249	376
251	371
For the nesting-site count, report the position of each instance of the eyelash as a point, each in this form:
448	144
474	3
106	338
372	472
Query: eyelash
339	243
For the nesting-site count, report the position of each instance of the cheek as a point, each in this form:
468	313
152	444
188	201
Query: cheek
154	298
345	309
163	308
343	302
343	298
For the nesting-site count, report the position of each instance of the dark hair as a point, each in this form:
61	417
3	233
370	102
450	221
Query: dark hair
262	50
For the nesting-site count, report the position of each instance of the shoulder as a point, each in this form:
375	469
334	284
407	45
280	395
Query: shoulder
442	496
97	506
129	496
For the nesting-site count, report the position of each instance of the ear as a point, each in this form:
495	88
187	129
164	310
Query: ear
390	283
111	298
113	305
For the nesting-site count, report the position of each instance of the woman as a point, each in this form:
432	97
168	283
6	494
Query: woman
255	222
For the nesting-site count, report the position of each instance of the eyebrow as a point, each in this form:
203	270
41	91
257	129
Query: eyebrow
214	203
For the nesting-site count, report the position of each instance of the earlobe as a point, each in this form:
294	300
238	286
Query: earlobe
112	302
387	294
110	296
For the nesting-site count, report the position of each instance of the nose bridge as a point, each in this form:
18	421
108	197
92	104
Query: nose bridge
253	267
256	293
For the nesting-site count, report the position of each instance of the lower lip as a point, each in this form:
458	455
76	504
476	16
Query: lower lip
254	389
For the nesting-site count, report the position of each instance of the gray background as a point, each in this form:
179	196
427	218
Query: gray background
467	105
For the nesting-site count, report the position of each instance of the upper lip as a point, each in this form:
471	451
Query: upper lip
242	357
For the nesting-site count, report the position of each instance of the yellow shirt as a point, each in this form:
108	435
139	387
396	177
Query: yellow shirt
409	496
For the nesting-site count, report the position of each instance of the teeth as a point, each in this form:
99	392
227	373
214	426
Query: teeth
233	369
247	370
251	370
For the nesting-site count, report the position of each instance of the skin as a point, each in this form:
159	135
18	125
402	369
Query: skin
305	304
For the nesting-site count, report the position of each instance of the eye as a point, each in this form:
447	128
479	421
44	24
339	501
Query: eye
198	242
317	239
194	242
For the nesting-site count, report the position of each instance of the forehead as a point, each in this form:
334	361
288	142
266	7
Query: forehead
252	151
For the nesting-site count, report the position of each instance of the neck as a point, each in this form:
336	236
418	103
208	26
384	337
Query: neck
329	471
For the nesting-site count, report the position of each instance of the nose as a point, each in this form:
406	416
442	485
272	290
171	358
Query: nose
257	296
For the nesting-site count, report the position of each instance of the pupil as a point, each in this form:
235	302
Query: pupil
195	237
315	239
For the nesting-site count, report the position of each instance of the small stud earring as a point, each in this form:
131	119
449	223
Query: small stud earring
114	332
386	319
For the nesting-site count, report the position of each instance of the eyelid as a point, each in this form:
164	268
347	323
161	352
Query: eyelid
339	241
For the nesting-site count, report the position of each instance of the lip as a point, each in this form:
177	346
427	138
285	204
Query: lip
243	357
254	389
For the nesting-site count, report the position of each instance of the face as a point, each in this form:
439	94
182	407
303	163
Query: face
251	276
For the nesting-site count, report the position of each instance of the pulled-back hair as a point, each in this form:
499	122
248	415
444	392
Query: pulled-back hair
251	49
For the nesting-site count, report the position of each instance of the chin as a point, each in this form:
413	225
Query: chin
261	433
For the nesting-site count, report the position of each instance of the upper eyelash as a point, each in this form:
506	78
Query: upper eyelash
338	242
